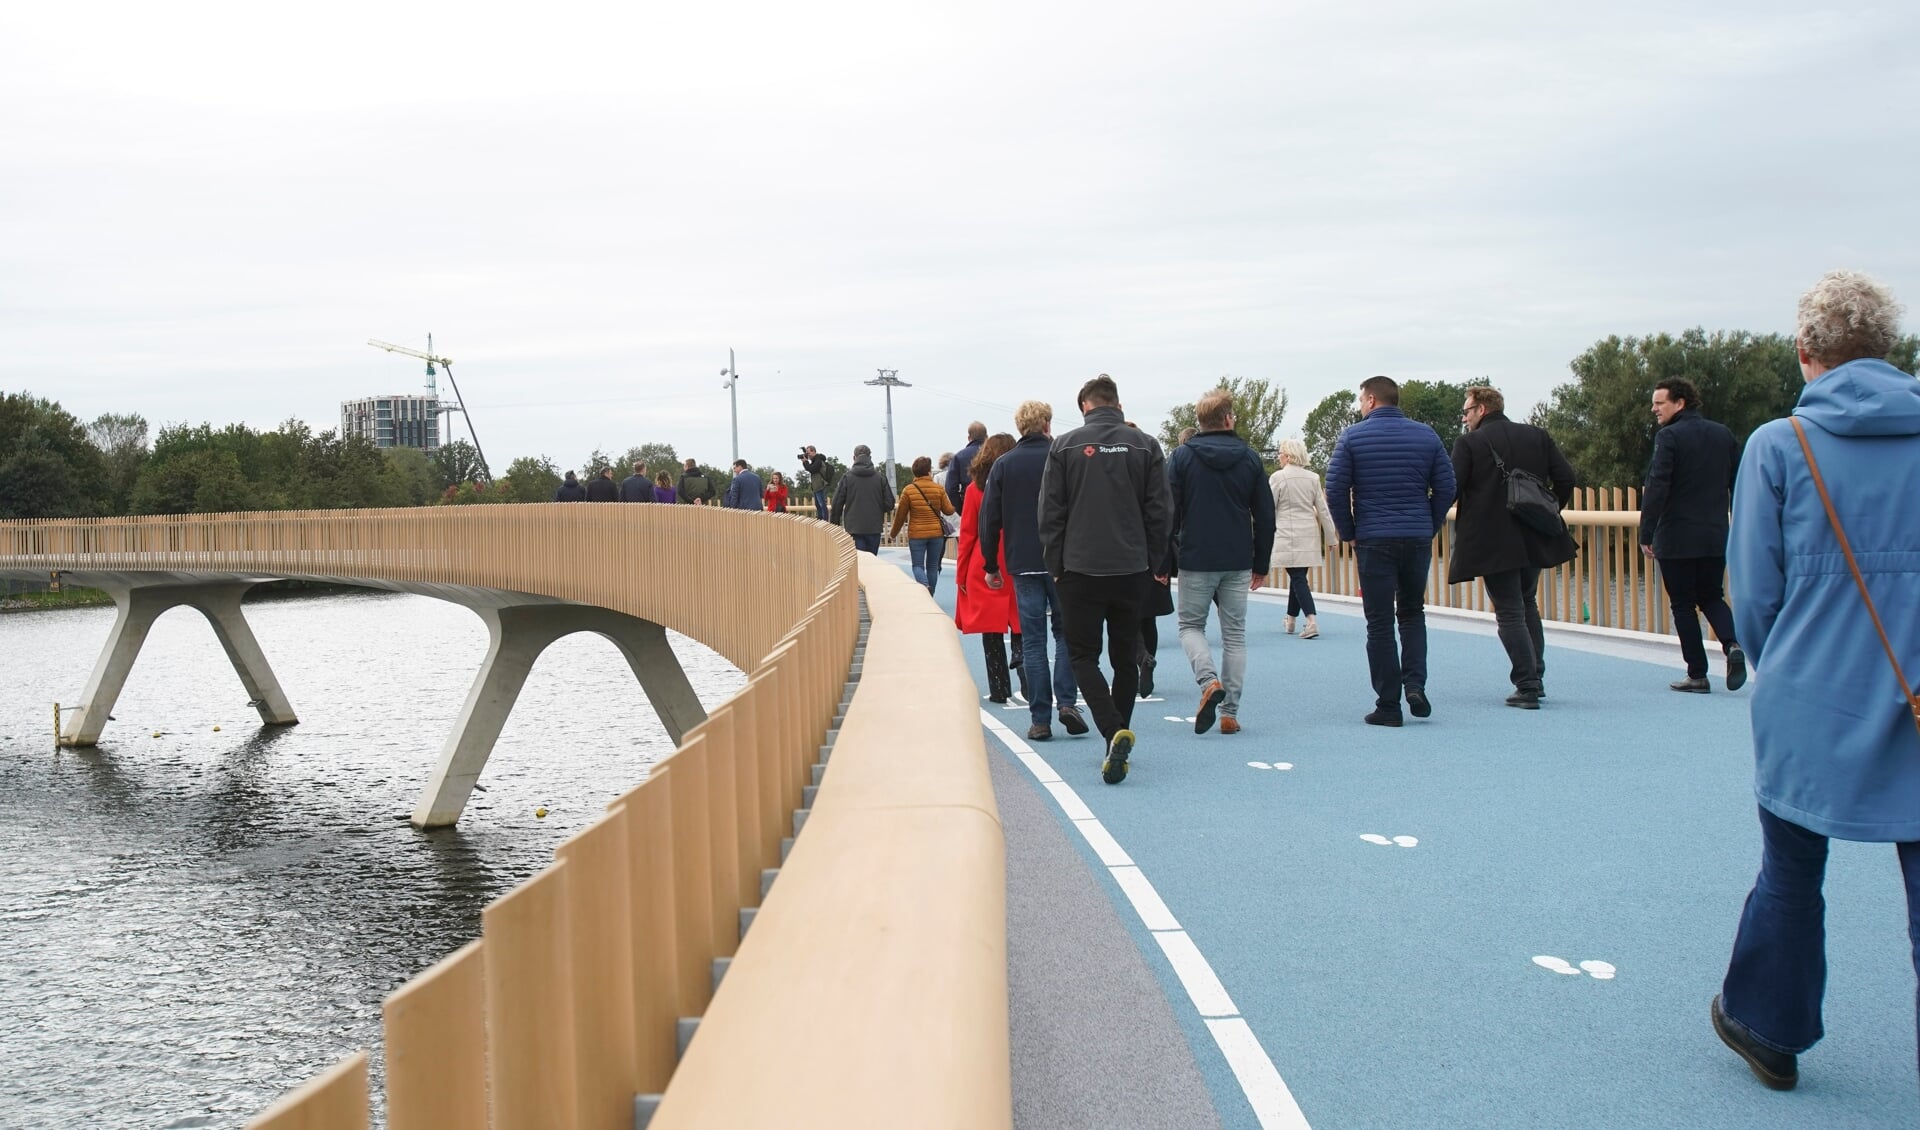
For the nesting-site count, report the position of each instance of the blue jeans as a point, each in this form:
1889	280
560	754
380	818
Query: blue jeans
1779	968
1393	590
867	543
927	554
820	510
1228	591
1038	599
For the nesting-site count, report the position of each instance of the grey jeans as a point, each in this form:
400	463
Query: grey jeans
1228	592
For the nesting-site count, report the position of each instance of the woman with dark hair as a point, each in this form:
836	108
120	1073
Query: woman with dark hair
921	504
777	493
988	612
663	488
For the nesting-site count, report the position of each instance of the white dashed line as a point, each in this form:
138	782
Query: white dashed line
1267	1093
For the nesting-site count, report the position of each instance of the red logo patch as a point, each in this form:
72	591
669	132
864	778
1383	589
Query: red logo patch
1087	451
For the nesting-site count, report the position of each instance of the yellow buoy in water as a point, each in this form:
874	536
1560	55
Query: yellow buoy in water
216	729
539	812
156	733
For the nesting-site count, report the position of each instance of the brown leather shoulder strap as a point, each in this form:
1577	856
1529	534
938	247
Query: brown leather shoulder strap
1833	518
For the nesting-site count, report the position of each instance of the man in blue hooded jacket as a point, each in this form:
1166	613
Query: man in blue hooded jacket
1836	737
1389	485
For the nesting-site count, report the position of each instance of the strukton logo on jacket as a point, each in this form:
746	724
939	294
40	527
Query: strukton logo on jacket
1087	451
1090	450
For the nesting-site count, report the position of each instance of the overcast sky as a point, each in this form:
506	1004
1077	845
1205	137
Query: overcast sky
206	210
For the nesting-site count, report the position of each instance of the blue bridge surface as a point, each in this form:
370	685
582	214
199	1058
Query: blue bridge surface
1489	918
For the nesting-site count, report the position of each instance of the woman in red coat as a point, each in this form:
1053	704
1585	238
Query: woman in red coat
988	612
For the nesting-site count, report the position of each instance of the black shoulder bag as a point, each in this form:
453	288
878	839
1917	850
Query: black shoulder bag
1530	499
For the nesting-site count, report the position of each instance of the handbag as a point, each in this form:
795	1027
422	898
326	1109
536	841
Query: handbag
1530	499
949	524
1860	582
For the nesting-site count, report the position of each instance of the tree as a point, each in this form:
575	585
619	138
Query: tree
1324	424
1258	408
657	456
1437	404
419	479
122	441
596	463
204	481
533	478
48	467
459	462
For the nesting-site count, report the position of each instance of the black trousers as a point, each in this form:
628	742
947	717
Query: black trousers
1698	583
1516	617
1090	605
1299	596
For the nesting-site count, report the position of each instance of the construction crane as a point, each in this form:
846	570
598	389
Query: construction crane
447	364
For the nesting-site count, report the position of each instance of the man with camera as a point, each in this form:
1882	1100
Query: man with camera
815	465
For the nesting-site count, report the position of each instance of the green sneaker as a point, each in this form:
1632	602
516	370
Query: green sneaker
1114	769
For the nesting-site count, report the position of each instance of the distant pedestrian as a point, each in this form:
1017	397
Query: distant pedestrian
695	488
921	505
1826	592
957	474
1010	543
1683	525
570	490
989	611
743	493
1302	530
663	488
1222	533
1491	543
1389	485
862	502
1103	529
776	493
602	488
637	487
819	473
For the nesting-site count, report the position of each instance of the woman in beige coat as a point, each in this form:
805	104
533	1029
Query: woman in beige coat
1303	528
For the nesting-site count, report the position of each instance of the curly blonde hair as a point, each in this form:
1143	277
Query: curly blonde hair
1847	316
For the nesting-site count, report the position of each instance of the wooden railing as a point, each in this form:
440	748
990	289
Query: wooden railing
872	986
1609	583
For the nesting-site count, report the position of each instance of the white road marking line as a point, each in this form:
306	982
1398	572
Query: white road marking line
1273	1103
1070	802
1146	901
1202	985
1103	843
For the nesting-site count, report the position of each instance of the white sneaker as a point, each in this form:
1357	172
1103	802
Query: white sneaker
1312	630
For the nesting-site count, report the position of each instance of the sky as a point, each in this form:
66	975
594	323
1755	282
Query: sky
207	209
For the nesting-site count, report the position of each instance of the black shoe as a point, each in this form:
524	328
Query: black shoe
1777	1070
1692	686
1383	717
1114	769
1039	732
1736	668
1070	718
1418	705
1147	665
1209	704
1541	693
1525	700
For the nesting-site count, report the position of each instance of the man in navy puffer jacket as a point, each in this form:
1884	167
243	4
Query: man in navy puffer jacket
1389	485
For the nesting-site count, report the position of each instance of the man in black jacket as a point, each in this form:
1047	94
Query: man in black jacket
1683	525
1010	513
1223	537
602	488
1492	544
1103	528
637	487
957	471
695	488
863	501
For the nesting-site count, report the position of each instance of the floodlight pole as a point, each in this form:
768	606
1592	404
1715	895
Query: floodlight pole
733	394
889	381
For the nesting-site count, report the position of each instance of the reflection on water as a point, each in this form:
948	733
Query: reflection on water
192	923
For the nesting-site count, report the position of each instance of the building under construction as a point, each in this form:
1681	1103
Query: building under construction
393	421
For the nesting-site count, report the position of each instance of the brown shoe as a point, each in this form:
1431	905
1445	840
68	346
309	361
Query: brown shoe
1229	724
1209	703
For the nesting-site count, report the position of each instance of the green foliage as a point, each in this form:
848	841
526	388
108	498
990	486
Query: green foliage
1437	404
459	462
657	456
418	478
596	463
1258	408
195	481
1324	424
122	442
48	469
469	494
532	478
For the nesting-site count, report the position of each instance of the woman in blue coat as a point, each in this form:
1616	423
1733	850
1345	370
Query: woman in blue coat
1836	741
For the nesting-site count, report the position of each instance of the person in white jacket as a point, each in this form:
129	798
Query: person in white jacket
1303	527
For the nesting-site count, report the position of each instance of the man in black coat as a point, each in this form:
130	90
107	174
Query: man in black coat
1683	525
958	471
602	488
1492	544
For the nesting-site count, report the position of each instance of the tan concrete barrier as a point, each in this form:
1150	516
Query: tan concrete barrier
872	988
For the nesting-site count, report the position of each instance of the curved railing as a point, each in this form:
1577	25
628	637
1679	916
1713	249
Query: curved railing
872	987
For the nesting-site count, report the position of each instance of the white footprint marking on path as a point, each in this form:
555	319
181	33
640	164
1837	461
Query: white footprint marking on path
1177	718
1276	765
1377	838
1598	970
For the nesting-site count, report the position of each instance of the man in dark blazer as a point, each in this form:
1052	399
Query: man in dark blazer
1490	543
1683	525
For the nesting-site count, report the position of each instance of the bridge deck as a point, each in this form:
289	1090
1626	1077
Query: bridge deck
1414	986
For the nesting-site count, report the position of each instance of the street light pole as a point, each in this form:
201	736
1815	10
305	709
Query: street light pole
889	381
732	385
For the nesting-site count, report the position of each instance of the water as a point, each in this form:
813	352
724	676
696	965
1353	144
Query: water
192	924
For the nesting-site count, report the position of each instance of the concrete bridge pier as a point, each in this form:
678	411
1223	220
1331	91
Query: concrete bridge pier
516	636
139	606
